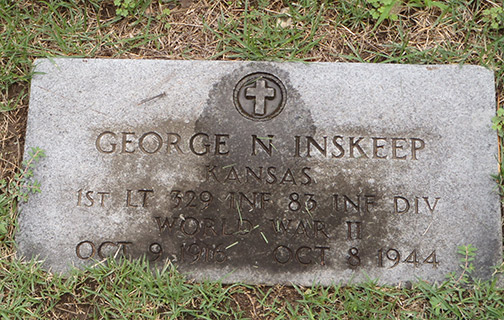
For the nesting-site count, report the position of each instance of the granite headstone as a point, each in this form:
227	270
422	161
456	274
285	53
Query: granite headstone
264	172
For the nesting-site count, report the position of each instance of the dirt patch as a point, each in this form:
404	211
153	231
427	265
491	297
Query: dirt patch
12	132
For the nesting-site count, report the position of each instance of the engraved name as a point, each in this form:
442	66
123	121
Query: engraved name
220	144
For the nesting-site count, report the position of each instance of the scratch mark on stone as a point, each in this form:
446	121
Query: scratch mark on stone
427	228
57	94
98	112
162	94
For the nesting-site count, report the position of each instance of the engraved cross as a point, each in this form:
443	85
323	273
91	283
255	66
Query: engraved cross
260	92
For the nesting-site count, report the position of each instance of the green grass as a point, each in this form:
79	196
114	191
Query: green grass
416	32
259	34
129	290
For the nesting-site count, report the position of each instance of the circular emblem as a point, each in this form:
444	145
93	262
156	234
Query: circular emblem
259	96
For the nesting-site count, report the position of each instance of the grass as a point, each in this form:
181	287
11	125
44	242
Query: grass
128	290
414	31
269	36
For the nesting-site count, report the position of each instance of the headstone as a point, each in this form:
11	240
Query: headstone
264	172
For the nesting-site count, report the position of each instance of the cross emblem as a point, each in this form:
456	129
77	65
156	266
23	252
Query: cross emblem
259	96
260	92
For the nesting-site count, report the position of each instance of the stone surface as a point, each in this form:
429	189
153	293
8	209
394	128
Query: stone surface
264	172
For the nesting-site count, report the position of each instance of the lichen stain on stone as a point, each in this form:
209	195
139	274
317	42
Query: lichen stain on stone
192	236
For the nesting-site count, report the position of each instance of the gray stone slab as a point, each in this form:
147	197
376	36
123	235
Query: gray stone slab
264	172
